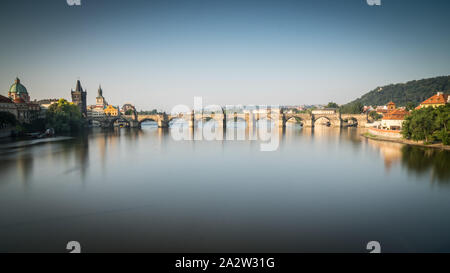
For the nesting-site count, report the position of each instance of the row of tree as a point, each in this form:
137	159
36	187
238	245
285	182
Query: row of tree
428	124
63	117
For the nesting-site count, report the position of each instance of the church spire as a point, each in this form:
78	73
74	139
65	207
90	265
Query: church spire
79	88
100	91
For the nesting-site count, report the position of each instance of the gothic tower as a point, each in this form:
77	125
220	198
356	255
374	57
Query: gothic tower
79	98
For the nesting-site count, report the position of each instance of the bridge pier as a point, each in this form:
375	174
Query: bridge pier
308	122
134	124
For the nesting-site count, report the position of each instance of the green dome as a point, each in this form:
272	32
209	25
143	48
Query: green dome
18	88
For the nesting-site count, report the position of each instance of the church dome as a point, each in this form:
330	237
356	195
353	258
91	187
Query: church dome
18	88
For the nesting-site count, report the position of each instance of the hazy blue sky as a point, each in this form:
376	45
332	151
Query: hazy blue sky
157	54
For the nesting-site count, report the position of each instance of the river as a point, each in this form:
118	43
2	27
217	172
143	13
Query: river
130	190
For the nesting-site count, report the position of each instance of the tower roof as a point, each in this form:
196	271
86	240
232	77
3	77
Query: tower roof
79	88
100	91
18	88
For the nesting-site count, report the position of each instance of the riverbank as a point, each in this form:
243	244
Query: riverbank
407	142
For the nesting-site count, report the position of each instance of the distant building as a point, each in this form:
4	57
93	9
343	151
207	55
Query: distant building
100	104
367	109
382	110
18	98
79	98
17	90
385	109
45	104
393	119
435	101
111	111
127	107
6	105
100	101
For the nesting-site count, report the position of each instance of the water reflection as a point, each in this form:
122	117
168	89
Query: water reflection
324	189
432	163
428	161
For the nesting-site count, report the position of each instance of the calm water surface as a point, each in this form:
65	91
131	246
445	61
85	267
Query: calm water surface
323	190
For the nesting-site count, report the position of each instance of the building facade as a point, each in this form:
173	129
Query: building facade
111	111
393	119
7	105
437	100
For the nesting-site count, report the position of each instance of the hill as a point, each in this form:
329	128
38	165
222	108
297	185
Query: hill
403	94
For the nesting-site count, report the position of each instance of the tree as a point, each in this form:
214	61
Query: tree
64	117
410	106
332	105
428	124
352	108
7	119
129	112
375	116
442	123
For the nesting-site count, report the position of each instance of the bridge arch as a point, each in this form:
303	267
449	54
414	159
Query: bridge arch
110	120
350	121
294	119
148	119
322	120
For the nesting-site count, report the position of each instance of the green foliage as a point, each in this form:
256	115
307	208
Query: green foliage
375	116
411	105
64	117
129	112
332	105
352	108
428	124
7	119
411	92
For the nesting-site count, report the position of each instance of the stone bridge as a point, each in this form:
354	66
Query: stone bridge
280	118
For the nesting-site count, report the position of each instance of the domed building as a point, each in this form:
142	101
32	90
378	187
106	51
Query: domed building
19	103
18	91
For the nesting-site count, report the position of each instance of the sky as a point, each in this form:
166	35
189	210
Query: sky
158	54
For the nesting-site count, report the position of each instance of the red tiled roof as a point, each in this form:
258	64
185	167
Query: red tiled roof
4	99
397	114
436	99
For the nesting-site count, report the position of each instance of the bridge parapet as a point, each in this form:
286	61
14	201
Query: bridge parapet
308	120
